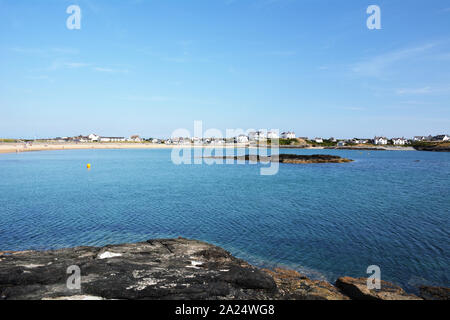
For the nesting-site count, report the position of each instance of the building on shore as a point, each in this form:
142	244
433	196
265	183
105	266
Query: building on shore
399	141
134	138
441	137
242	139
318	140
287	135
380	141
272	135
257	136
93	137
112	139
360	141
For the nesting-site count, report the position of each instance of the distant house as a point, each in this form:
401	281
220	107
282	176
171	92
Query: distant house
135	138
419	138
196	140
93	137
341	143
380	140
287	135
360	141
272	135
318	140
81	138
112	139
441	137
155	141
242	139
256	136
399	141
332	139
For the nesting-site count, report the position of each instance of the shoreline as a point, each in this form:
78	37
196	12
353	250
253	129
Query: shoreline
182	269
21	147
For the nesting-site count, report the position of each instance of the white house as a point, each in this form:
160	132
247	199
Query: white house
318	140
112	139
287	135
257	136
155	141
419	138
242	139
272	135
380	141
341	143
399	141
93	137
441	137
135	138
360	141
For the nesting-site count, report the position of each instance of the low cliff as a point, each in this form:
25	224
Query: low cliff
168	269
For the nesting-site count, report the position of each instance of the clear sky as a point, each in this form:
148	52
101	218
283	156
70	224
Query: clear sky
150	67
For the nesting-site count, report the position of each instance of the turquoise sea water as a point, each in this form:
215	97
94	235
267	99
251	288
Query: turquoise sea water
388	208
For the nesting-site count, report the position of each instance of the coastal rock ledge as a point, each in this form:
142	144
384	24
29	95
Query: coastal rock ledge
164	269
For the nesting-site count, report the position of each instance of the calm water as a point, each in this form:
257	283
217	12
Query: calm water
327	220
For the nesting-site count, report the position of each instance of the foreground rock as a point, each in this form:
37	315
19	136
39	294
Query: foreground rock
356	289
171	269
295	286
288	158
156	269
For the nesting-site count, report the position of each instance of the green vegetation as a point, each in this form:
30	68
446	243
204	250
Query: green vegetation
8	140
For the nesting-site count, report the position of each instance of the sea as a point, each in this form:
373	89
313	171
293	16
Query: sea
390	209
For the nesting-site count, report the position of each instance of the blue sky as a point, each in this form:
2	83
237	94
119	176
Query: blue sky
150	67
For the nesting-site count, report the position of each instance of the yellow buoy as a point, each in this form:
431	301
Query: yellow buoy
88	166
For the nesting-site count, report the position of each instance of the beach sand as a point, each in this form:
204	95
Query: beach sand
22	147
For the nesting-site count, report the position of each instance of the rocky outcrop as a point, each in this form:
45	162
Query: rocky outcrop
295	286
172	269
288	158
434	293
356	289
156	269
433	146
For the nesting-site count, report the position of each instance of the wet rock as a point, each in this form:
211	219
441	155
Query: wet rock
356	289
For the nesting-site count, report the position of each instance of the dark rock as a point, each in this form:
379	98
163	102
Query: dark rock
434	293
172	269
356	289
288	158
156	269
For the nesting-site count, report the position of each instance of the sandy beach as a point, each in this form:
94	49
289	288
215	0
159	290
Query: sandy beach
21	147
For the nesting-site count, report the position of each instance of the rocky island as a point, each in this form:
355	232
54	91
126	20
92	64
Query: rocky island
288	158
172	269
